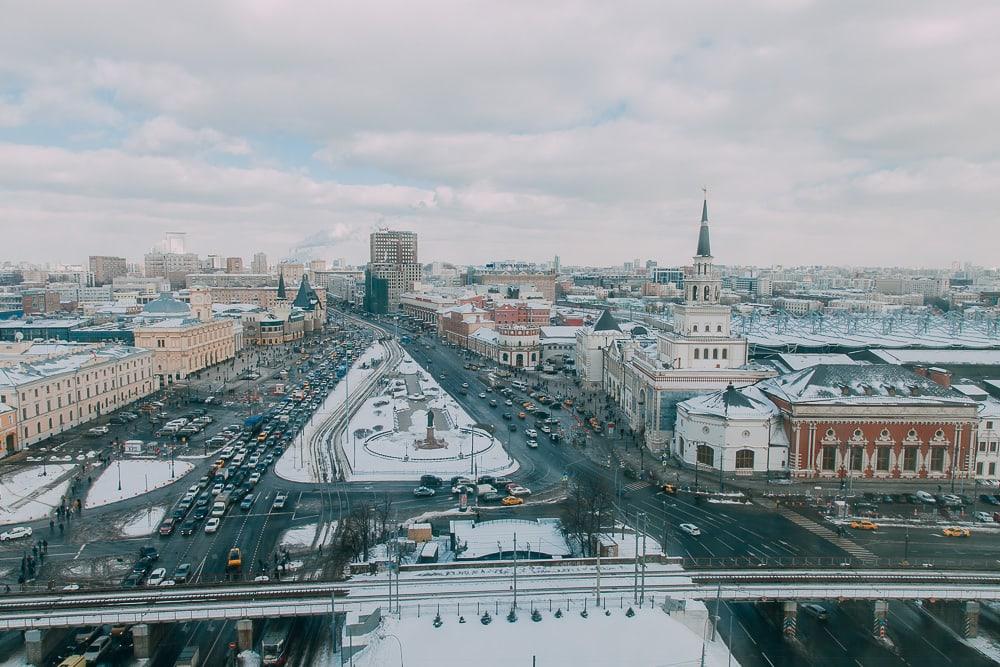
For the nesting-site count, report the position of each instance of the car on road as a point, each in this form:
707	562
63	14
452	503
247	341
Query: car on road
925	497
247	503
508	402
235	559
254	477
167	527
182	573
516	490
97	431
817	611
864	524
133	580
984	517
15	533
988	499
157	576
431	481
956	531
423	492
212	524
509	501
532	444
531	433
279	501
188	527
690	529
493	402
217	488
149	552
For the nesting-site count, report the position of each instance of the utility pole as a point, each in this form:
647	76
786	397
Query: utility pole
515	570
635	584
642	594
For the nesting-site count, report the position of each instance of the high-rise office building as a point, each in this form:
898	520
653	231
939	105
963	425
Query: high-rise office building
259	263
392	269
106	268
234	265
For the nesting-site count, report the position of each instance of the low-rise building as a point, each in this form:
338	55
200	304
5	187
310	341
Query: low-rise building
182	344
8	430
56	393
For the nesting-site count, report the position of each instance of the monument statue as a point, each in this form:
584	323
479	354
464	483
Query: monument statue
430	418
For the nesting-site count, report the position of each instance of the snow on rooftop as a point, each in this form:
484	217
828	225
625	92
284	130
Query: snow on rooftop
944	357
35	370
852	384
796	362
745	403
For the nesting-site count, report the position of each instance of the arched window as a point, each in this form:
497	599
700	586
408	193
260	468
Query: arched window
708	293
744	459
706	455
680	445
718	328
696	352
723	353
694	293
715	353
705	352
696	328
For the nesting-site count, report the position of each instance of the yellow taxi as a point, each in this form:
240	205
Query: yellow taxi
512	500
864	524
955	531
235	559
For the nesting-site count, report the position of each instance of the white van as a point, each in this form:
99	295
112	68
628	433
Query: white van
519	385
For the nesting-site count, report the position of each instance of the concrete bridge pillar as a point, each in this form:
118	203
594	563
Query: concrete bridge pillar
880	621
244	634
39	643
790	619
970	626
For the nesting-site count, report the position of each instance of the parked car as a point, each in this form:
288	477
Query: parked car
516	490
984	517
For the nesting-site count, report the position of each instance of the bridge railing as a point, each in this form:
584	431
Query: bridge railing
839	563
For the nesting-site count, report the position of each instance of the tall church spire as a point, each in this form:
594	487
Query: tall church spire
281	286
704	246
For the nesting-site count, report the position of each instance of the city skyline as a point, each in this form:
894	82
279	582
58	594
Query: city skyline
818	131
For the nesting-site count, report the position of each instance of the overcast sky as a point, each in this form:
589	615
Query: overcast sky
860	133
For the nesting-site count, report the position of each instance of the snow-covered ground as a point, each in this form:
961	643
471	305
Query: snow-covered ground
297	464
27	495
137	477
649	638
304	536
143	522
380	440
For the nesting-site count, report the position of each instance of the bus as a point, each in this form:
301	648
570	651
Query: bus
274	644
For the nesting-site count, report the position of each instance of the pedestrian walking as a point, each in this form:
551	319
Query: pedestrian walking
60	528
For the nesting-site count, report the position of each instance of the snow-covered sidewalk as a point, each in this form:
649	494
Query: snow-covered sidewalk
134	477
27	495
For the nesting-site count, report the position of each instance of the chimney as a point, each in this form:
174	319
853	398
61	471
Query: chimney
940	376
920	370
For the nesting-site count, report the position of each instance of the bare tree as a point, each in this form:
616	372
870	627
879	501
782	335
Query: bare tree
587	508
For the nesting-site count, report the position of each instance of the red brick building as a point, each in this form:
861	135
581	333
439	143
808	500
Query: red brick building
521	312
456	324
874	421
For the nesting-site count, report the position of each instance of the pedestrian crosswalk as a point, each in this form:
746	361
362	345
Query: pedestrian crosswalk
635	486
848	545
